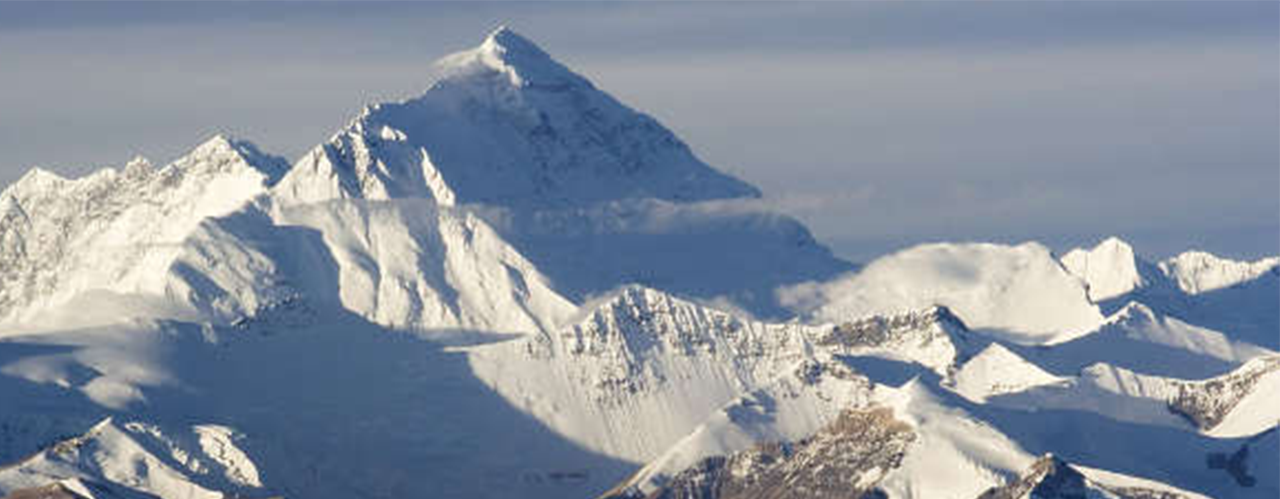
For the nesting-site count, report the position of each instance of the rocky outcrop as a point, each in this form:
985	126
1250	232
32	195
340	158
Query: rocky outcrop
1207	403
1052	478
844	460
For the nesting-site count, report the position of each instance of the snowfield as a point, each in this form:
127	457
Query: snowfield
514	285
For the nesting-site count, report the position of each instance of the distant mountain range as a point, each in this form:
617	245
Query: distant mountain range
514	285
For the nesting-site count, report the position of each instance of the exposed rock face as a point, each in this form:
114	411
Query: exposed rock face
1207	403
1048	478
935	337
635	340
881	331
1052	478
844	460
51	491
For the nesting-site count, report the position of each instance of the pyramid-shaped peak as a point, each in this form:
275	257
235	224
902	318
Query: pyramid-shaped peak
34	181
504	51
221	143
506	43
222	151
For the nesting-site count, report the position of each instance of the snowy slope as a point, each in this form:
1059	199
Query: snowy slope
1200	272
594	193
372	224
796	405
138	457
1110	269
1237	298
846	458
933	338
338	407
404	264
116	230
953	455
1141	339
996	371
1016	292
639	369
505	124
1139	322
1230	405
736	252
1052	478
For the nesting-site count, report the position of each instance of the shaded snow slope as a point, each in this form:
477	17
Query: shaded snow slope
336	408
1244	312
1236	298
1017	292
1230	405
996	371
1139	322
732	252
1140	339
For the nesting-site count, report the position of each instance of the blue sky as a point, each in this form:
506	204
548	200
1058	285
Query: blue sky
879	124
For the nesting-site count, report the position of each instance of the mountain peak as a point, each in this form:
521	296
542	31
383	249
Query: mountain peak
504	51
1109	270
222	143
506	43
225	151
506	124
1199	271
36	178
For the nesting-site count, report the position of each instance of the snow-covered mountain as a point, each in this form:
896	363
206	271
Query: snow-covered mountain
1019	292
593	192
116	231
137	459
1052	478
513	285
846	458
1109	269
1236	297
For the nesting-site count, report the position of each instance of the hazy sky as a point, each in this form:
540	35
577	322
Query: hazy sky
879	124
